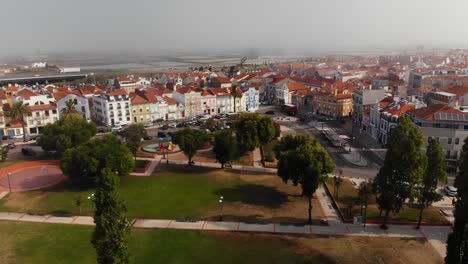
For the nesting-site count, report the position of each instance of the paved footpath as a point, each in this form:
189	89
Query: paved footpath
218	166
435	235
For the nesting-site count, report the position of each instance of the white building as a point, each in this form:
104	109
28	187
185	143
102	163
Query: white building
190	99
208	102
81	104
251	99
112	108
223	100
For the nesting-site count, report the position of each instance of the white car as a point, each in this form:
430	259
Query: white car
450	191
18	136
173	125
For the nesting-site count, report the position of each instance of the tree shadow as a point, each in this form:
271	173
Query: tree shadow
255	195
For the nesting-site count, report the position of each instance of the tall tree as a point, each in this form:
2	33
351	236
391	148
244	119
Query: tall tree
70	107
403	168
435	173
365	191
18	112
84	163
190	141
302	160
254	130
457	241
133	135
70	131
112	228
235	93
224	147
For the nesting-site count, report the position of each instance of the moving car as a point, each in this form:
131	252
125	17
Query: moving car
450	191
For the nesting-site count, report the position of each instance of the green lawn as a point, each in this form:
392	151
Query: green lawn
55	243
178	194
350	206
23	242
141	164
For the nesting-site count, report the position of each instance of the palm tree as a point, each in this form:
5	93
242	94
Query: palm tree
70	107
235	94
18	112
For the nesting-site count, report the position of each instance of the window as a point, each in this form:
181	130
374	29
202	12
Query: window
128	118
457	141
448	154
455	154
437	138
54	111
449	141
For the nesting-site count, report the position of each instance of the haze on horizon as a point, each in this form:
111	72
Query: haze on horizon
57	26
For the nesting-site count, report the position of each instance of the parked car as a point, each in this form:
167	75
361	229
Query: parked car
16	136
147	125
35	137
5	137
148	138
181	125
450	191
11	145
101	130
164	127
161	134
28	151
173	125
159	120
270	112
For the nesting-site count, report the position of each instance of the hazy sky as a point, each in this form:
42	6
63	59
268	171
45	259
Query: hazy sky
159	25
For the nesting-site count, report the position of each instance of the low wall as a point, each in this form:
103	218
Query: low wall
144	170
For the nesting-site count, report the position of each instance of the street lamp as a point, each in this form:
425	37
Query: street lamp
90	198
221	208
9	184
365	215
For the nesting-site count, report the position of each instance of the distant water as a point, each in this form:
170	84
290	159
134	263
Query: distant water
120	66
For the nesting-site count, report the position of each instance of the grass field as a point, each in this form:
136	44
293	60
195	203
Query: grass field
183	192
350	206
55	243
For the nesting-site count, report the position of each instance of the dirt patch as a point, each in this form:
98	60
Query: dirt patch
369	249
265	198
23	201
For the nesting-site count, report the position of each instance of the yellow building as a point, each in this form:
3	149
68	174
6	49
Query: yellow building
140	109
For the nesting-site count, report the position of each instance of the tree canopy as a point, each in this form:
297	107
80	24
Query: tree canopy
435	173
254	130
133	135
68	132
302	160
403	168
85	162
18	112
457	241
112	228
224	147
190	141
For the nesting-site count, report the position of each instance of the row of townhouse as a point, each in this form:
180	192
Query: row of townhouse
147	105
45	106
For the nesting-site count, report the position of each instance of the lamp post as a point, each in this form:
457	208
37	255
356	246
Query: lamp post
90	198
221	208
9	184
364	216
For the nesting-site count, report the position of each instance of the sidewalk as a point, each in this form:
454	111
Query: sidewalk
435	235
218	166
154	163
